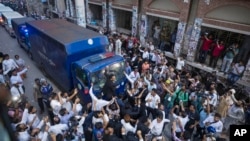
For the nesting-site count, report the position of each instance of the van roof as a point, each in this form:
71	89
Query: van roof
5	8
22	20
63	31
12	14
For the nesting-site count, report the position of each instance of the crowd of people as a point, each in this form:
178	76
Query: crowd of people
159	95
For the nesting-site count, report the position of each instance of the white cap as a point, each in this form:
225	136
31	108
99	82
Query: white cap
42	80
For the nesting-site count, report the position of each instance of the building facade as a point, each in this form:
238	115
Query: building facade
159	20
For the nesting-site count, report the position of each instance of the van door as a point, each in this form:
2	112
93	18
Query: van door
81	81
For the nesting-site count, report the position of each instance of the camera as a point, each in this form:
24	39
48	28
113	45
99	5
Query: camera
72	124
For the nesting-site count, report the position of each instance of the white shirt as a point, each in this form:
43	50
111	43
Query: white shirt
30	119
156	128
180	63
95	120
128	127
78	108
134	76
9	65
214	100
153	58
183	123
66	104
56	106
239	68
118	45
99	102
18	77
145	55
151	47
23	136
217	125
14	91
155	100
58	128
20	62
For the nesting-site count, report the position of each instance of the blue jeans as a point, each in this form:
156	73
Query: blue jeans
232	78
226	64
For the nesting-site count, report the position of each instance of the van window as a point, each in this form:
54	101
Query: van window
81	75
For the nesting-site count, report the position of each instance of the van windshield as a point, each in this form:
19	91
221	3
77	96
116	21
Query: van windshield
98	78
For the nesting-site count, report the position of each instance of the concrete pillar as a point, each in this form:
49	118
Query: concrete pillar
80	13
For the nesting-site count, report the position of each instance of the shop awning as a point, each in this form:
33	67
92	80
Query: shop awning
230	13
165	5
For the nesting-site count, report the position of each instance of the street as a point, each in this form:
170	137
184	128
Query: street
9	45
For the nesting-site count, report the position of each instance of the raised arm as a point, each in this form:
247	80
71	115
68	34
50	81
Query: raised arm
129	79
73	94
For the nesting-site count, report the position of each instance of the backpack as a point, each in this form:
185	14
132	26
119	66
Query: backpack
46	90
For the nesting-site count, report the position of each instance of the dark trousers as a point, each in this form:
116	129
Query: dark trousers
152	111
203	56
40	104
213	61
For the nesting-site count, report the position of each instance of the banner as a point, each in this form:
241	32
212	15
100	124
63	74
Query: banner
112	18
194	38
143	26
179	38
104	14
134	20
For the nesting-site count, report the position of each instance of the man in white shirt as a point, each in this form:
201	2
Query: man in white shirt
127	125
36	132
58	128
16	77
152	101
236	73
151	85
33	118
56	103
215	122
134	75
16	91
180	63
98	104
8	65
118	46
145	53
182	120
67	100
157	125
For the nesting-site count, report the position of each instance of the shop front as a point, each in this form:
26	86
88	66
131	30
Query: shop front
224	24
162	22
